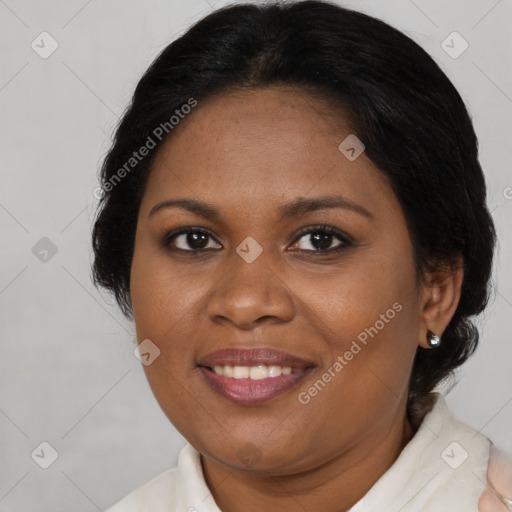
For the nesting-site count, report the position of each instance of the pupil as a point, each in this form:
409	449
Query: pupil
197	240
323	240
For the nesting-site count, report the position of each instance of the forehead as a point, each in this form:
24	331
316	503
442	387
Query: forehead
260	148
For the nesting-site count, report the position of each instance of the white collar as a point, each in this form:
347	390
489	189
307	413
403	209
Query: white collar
443	467
427	467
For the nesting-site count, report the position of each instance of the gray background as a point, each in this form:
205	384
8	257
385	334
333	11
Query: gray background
68	375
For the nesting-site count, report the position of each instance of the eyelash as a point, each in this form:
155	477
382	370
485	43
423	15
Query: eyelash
345	240
324	228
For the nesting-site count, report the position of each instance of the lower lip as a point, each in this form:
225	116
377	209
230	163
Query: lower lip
249	391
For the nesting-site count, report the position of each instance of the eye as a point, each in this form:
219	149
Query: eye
321	239
190	240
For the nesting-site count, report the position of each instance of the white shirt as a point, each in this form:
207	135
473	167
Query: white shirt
443	468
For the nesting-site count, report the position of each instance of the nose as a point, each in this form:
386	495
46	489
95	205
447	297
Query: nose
249	294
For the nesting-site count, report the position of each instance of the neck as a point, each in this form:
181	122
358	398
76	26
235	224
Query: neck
334	487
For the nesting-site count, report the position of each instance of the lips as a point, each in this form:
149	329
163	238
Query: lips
247	391
253	357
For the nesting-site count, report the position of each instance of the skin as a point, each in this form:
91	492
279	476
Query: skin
247	153
499	482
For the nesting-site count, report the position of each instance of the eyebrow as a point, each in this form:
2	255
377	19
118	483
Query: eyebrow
299	206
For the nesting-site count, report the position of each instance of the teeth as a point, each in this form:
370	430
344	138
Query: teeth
241	372
253	372
274	371
258	372
227	371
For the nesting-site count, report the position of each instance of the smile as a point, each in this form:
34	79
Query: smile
258	372
253	385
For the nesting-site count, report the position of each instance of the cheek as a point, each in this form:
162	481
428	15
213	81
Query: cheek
161	297
367	331
359	297
369	318
162	305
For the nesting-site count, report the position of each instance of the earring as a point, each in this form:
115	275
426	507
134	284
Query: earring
433	340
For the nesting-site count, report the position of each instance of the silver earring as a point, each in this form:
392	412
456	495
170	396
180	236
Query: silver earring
434	341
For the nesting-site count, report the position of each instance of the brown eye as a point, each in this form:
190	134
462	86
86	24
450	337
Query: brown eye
190	240
321	239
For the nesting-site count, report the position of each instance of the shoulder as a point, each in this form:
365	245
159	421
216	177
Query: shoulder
453	461
443	467
157	495
180	488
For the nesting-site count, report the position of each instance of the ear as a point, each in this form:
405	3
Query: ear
440	298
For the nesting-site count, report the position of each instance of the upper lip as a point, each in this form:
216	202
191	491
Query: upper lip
253	357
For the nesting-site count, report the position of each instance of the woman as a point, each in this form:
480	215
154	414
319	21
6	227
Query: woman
295	217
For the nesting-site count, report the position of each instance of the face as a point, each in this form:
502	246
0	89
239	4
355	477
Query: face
303	251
